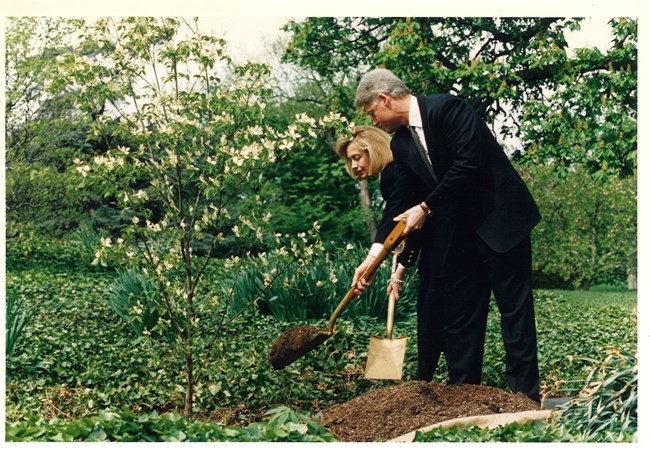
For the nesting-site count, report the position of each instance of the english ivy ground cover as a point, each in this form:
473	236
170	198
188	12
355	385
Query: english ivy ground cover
79	373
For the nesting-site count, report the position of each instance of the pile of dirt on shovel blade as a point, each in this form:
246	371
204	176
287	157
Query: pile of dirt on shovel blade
387	413
290	342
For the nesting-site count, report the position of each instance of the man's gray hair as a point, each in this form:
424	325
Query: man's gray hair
379	81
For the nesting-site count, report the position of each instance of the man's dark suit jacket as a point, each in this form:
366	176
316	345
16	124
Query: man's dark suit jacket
478	187
400	192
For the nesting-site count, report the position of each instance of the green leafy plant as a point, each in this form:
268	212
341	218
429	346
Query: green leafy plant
18	316
589	230
183	153
606	408
125	425
79	360
133	297
536	431
313	290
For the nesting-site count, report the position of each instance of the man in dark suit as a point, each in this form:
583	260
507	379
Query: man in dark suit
471	187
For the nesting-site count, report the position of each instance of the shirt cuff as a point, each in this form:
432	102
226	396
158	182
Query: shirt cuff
376	249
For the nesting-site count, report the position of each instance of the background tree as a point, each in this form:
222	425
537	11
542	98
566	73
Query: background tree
43	129
310	184
517	72
588	232
590	117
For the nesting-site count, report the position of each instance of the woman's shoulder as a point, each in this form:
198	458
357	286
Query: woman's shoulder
399	176
388	170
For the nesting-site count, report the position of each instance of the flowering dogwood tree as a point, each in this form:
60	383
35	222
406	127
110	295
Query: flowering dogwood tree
185	134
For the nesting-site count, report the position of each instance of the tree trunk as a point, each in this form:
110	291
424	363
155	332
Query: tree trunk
189	386
366	204
631	278
585	283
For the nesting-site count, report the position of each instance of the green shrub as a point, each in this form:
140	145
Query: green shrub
28	250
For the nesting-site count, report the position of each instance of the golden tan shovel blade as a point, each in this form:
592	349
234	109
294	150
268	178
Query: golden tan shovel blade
385	358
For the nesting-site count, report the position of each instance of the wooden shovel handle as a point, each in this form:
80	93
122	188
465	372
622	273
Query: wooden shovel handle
391	315
394	238
391	304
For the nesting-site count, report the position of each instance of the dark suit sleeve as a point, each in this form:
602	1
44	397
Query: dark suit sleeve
459	125
480	189
399	196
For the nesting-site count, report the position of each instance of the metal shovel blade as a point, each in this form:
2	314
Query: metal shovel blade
386	355
385	358
295	343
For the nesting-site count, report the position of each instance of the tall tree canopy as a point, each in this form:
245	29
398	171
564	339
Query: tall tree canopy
565	108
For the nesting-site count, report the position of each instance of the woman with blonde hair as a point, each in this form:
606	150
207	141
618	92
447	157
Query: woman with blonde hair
366	143
367	153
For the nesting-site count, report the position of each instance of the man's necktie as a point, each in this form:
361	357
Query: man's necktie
422	151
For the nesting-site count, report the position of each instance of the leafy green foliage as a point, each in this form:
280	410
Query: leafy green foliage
135	300
536	431
124	426
78	359
313	290
39	196
31	250
311	184
588	231
185	143
568	109
562	344
43	129
606	408
17	317
590	119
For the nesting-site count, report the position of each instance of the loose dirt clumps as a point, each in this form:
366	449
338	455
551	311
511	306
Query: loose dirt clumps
293	342
384	414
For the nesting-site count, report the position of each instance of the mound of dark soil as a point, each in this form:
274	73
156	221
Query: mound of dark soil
384	414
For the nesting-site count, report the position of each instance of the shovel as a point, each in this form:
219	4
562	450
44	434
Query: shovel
298	341
386	356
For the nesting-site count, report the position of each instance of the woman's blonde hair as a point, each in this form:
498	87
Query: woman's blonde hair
372	140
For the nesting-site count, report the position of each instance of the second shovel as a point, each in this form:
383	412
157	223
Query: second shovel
386	355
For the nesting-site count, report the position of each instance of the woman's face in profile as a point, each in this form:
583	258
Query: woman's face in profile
359	161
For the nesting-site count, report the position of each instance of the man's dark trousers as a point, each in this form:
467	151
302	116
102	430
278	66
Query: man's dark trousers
474	272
